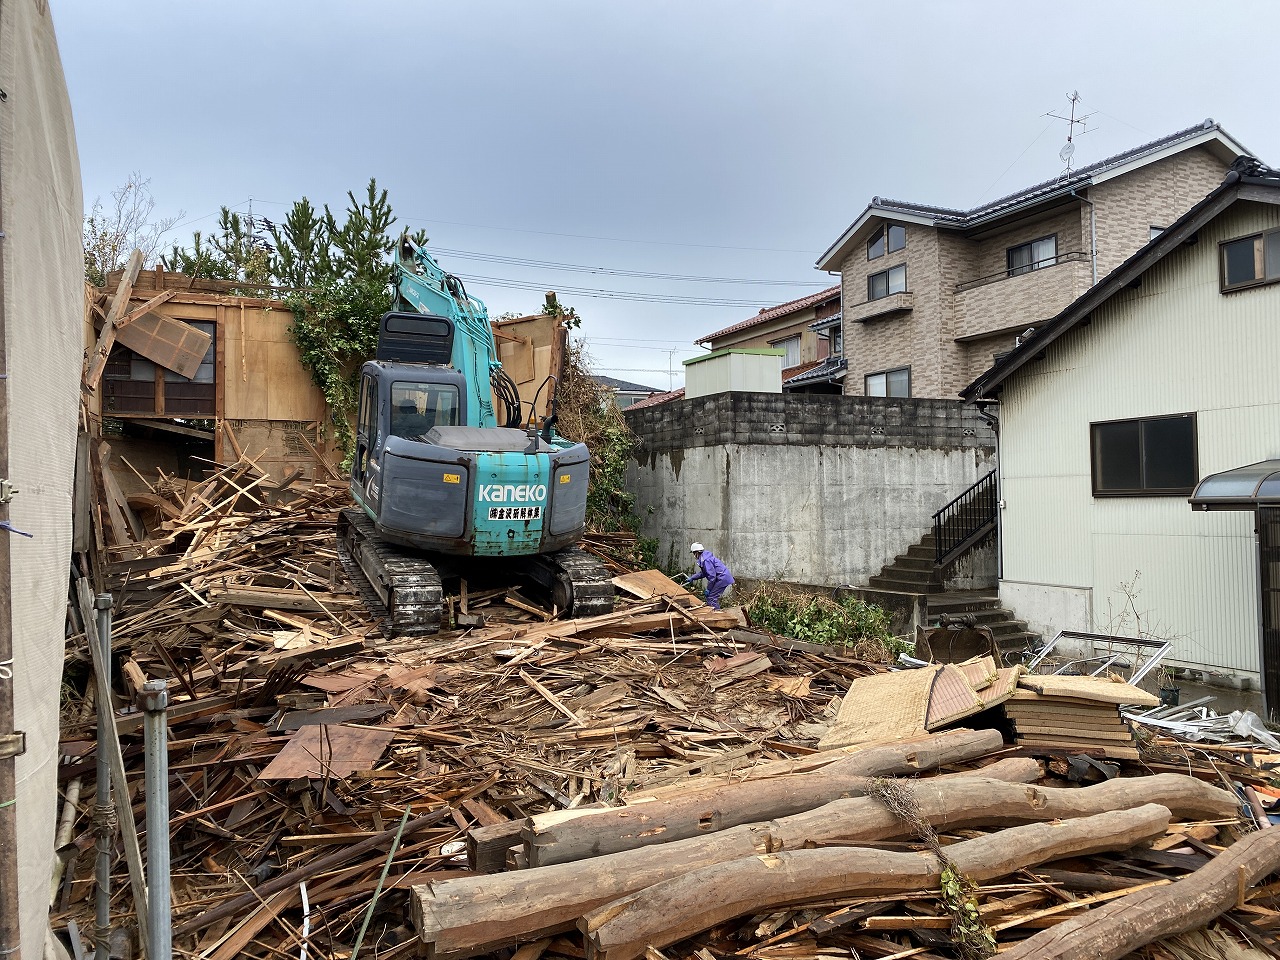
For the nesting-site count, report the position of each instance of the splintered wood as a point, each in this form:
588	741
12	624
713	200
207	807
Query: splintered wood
648	782
299	735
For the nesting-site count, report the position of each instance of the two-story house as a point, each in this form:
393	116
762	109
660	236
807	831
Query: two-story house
1139	441
807	330
931	296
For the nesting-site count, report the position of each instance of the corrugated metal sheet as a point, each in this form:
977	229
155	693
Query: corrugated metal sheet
1175	344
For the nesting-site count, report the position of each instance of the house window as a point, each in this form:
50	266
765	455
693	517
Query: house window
1035	255
1155	456
1154	231
135	384
1250	261
791	348
893	280
889	383
889	238
837	341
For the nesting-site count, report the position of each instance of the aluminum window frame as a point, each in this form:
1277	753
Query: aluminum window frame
885	373
1262	236
1144	490
1034	265
871	277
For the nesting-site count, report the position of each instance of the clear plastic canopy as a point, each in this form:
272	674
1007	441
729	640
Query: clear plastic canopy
1242	488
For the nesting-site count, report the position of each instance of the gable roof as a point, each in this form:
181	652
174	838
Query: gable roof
623	386
1247	180
772	313
1206	133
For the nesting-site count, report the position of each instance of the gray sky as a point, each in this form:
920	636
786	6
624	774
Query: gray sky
700	138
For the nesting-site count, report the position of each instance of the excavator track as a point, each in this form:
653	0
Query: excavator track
580	584
402	589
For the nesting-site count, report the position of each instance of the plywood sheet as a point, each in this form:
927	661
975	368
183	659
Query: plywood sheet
647	584
171	343
883	707
328	750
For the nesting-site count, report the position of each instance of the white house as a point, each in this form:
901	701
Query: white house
1122	422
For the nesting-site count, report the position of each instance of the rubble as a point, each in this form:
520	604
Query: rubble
634	783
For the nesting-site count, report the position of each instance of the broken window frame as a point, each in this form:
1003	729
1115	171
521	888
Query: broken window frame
164	398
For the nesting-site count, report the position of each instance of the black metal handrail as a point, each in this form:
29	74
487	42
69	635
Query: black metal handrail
968	516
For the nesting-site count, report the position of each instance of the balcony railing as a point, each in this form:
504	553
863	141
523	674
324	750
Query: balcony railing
1071	256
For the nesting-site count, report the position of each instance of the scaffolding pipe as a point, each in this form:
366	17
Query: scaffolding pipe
104	814
153	700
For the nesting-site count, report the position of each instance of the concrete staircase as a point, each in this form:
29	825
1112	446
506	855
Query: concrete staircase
914	573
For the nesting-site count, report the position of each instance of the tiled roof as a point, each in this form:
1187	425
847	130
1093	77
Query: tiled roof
656	399
799	368
828	369
772	313
1205	132
960	217
626	386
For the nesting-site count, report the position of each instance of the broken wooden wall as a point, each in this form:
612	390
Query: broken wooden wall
262	392
531	349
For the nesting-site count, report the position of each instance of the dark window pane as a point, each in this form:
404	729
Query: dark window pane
897	237
899	383
1239	261
1169	453
1117	456
877	286
875	246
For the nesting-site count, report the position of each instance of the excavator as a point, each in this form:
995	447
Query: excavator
450	477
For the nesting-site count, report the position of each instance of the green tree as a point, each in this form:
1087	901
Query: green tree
302	243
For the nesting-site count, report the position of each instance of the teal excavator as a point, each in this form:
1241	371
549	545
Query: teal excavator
451	477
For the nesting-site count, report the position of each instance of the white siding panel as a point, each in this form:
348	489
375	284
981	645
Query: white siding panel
1174	344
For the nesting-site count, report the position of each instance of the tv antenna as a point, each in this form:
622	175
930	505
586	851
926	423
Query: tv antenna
1069	148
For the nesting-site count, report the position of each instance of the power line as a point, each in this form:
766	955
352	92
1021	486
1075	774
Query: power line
632	295
614	271
584	236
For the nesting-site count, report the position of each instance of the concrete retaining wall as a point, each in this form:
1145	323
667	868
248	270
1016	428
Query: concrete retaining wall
804	488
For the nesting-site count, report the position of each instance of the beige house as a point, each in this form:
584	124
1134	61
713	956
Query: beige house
932	296
1138	438
806	330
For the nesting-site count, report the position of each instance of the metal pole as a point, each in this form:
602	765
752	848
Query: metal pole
104	814
153	701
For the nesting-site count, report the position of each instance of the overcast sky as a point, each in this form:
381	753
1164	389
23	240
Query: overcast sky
707	139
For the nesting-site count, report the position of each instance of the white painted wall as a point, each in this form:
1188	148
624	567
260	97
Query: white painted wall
1175	344
756	372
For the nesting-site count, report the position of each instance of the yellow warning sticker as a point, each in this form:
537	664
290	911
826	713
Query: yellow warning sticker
453	478
565	478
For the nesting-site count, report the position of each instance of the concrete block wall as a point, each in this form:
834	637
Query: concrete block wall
812	489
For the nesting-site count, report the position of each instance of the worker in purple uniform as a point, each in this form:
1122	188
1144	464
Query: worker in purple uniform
712	569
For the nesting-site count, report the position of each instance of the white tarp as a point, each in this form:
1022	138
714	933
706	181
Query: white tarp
41	210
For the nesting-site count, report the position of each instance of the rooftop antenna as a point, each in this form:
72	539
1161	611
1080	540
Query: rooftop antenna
1069	148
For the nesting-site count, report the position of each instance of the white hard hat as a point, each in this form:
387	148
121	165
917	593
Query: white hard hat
695	548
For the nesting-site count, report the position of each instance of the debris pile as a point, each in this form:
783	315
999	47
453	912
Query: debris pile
301	737
657	781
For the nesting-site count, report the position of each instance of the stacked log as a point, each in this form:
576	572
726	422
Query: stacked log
642	878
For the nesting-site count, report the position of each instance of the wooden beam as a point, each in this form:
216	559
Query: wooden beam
98	359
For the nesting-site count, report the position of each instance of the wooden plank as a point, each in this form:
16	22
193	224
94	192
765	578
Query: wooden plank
171	343
326	750
97	362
